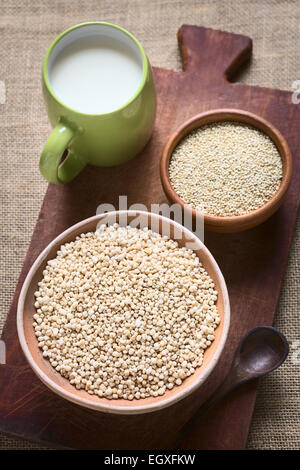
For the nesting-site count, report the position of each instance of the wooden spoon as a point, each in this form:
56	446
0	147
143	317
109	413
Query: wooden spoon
262	350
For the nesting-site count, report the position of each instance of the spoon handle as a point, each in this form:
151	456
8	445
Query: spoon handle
226	386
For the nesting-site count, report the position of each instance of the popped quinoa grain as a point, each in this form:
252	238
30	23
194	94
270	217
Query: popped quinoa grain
125	312
226	169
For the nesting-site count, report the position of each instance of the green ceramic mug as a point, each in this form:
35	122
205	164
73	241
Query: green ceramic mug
91	124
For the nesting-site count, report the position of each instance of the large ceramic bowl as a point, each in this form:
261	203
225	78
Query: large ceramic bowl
59	384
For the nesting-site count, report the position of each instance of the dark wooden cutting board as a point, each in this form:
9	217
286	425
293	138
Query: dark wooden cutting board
253	262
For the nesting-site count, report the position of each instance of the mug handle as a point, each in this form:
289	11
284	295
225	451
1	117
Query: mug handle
50	162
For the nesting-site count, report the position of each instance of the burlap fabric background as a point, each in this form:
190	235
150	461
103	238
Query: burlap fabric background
26	30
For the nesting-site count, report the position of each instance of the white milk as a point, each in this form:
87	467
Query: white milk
96	75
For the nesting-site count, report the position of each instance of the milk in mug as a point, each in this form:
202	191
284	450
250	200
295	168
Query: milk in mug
96	74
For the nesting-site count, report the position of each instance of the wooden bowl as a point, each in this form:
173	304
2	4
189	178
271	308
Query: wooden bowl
232	223
59	384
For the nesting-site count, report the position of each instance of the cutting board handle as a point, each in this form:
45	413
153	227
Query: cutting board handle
214	55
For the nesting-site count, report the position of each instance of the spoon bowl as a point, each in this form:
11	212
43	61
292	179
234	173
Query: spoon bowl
262	350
